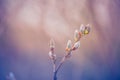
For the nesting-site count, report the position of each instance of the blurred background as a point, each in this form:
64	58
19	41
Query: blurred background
26	27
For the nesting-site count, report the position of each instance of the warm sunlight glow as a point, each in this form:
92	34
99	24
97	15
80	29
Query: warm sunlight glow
29	14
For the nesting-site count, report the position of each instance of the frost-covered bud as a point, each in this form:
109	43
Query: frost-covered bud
76	45
69	46
52	44
76	36
52	55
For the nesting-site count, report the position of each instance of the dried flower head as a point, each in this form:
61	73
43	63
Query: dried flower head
52	44
76	36
76	45
69	46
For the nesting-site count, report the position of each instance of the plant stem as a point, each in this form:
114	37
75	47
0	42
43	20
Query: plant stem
54	70
61	63
59	66
55	76
54	65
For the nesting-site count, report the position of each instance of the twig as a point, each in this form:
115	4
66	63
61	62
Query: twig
84	30
54	65
59	66
54	70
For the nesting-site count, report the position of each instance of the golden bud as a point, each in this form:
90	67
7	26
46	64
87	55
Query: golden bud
85	29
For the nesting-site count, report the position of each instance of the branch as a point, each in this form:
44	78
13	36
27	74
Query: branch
84	30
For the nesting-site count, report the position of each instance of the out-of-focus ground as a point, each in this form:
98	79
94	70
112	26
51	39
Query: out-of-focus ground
26	27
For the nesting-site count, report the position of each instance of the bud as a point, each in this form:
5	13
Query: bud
82	28
52	55
52	44
85	29
76	36
69	45
76	45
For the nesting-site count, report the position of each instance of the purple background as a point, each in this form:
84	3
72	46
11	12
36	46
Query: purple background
26	27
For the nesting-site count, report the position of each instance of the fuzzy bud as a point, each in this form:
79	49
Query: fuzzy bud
76	36
82	28
85	29
76	45
52	55
69	46
52	44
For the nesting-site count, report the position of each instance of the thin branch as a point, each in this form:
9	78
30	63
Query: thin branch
61	63
84	30
59	66
54	65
